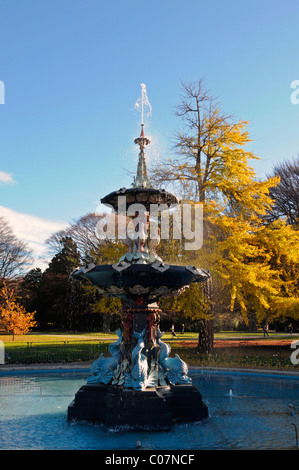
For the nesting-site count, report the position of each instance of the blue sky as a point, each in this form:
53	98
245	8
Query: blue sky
72	71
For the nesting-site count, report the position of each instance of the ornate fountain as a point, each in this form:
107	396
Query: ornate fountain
139	384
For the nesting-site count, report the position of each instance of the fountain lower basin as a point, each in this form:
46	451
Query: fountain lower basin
33	408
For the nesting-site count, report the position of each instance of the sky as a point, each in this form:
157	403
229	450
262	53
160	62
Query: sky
71	73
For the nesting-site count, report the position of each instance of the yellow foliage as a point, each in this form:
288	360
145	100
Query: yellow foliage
14	316
257	263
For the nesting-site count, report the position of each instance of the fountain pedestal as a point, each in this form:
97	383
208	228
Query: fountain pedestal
140	385
153	408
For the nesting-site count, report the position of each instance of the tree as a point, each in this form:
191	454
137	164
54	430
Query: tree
286	193
82	232
14	253
33	278
67	258
14	316
60	301
260	266
108	307
29	289
55	290
91	247
211	166
194	304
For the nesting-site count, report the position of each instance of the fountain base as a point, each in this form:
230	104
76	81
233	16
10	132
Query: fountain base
153	408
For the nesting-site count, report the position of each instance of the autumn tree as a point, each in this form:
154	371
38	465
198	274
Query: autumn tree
259	266
211	166
13	315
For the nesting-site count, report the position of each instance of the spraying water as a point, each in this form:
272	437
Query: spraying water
143	103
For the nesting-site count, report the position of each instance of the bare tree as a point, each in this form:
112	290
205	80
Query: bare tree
14	253
88	241
201	144
82	231
286	193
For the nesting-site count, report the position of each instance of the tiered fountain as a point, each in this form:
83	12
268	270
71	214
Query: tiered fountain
139	384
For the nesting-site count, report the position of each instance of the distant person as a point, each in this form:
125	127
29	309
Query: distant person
291	328
183	328
172	330
265	330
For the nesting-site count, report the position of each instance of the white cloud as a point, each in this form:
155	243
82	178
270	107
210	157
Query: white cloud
6	177
34	231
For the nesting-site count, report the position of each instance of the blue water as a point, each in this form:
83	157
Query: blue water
247	411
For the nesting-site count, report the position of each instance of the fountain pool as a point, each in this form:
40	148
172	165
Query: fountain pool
247	411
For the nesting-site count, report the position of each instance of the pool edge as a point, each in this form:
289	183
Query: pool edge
86	366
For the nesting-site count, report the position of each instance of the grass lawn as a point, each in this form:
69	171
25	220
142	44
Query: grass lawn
53	347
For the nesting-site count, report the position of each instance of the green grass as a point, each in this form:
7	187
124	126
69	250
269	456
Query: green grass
40	347
50	352
253	358
51	348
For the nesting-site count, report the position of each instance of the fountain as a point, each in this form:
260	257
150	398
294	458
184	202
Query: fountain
139	384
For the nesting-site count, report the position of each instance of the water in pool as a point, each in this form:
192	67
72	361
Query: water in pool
247	411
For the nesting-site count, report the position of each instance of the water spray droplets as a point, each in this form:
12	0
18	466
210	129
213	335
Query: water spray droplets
143	103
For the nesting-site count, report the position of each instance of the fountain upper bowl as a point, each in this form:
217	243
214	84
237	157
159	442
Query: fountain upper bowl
140	280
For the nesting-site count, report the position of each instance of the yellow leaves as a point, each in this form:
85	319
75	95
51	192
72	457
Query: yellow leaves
107	305
258	263
233	297
14	316
190	303
287	306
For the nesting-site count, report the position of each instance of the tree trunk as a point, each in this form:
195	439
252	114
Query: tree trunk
106	322
205	336
206	326
252	321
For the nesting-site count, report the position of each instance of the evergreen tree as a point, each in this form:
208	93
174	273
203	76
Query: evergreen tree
66	259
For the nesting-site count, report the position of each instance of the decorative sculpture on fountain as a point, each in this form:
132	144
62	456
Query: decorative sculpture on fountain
174	368
102	369
135	372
